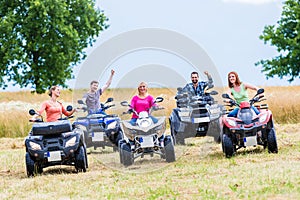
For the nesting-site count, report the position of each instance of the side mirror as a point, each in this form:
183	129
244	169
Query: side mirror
124	103
260	91
159	99
32	112
225	96
179	89
69	108
214	92
110	99
80	101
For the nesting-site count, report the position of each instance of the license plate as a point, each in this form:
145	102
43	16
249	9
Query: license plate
200	119
98	136
53	156
250	141
147	142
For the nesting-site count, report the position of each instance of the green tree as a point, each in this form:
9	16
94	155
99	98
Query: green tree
285	36
42	40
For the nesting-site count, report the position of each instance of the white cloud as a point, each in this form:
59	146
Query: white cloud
253	2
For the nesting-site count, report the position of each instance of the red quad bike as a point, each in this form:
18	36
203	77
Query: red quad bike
248	128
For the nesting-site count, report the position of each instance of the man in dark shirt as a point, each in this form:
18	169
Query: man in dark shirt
197	87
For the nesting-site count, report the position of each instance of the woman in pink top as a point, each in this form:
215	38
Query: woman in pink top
54	109
142	102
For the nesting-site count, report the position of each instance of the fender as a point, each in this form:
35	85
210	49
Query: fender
264	116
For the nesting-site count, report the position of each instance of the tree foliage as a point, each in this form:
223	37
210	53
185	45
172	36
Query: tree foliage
285	36
42	40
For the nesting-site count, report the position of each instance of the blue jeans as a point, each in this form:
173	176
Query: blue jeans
133	120
236	110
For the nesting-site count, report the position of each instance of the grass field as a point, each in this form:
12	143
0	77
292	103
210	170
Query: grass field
200	172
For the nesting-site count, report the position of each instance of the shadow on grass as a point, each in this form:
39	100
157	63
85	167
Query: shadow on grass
240	152
59	170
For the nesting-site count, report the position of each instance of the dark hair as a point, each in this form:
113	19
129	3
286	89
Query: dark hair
52	88
94	82
237	79
195	73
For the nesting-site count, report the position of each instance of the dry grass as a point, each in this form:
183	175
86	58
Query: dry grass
284	102
200	171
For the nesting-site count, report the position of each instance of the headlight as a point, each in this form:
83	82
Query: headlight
231	122
71	142
35	146
144	123
112	125
160	127
263	118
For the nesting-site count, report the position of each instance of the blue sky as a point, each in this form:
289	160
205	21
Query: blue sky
227	30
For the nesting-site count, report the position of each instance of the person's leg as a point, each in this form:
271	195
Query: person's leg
133	121
255	110
233	113
154	119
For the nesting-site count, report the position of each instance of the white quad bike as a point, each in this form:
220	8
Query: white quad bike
145	137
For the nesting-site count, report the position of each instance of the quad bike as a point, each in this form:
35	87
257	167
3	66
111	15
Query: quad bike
248	128
195	116
100	129
54	143
145	137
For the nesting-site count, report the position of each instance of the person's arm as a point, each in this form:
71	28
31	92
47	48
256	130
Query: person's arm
84	96
230	95
249	86
108	82
43	108
210	80
40	111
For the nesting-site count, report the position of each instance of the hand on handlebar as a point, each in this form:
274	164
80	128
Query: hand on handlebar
158	108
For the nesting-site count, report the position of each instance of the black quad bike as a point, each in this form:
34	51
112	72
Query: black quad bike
145	137
54	143
248	128
100	129
195	116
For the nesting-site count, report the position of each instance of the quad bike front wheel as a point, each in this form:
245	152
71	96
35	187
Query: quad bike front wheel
120	143
32	168
227	145
81	160
126	155
272	142
29	165
180	138
169	149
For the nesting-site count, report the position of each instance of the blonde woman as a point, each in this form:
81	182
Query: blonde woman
142	102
